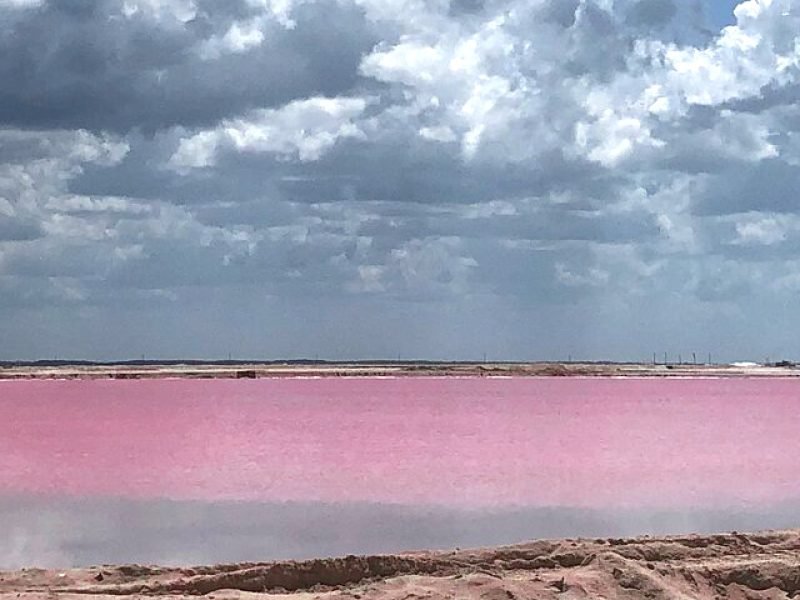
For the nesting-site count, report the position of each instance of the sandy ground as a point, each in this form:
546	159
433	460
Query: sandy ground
734	566
248	370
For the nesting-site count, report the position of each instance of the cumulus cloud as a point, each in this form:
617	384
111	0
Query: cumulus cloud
304	128
20	3
181	10
578	171
109	65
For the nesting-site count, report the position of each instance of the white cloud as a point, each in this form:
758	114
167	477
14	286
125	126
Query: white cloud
666	80
610	139
456	82
501	80
196	151
240	38
304	129
279	10
441	133
248	34
180	10
20	3
590	278
761	231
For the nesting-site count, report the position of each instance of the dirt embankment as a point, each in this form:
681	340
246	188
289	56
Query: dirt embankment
731	566
372	369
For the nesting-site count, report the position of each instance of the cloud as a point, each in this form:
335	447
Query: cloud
766	231
20	3
121	66
180	10
304	128
585	168
652	12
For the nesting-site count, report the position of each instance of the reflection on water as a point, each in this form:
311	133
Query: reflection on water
70	532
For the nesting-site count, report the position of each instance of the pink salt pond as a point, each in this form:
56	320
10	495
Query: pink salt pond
463	443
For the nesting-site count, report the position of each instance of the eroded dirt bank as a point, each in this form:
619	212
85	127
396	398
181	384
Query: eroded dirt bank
735	566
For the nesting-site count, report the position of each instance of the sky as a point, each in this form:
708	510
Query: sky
720	12
342	179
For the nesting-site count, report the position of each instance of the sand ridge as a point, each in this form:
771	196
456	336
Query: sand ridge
732	566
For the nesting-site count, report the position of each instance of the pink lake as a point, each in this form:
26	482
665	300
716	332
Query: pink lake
474	443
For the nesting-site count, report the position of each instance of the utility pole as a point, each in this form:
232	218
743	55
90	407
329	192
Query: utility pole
694	359
654	358
665	358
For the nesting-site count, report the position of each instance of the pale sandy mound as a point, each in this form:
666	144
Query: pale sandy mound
735	566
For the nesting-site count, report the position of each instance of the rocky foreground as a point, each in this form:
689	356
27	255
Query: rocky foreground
762	565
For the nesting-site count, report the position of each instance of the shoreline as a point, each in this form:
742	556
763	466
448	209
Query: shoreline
247	370
733	565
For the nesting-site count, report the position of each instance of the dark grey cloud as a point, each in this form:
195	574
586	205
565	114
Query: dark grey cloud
406	170
458	7
562	12
771	186
652	12
85	65
15	230
771	96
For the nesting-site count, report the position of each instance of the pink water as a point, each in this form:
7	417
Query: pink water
456	442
